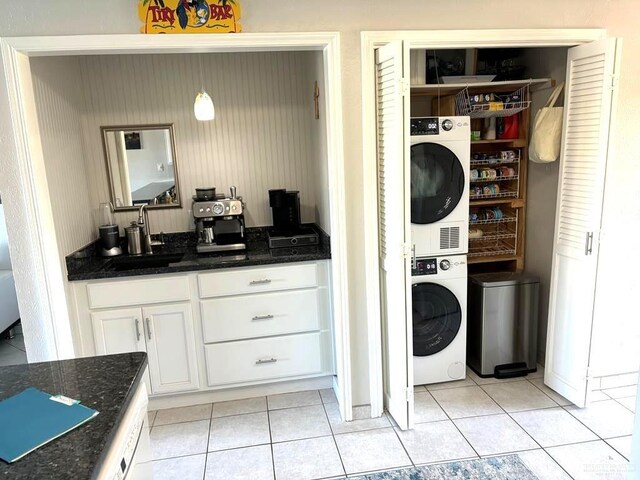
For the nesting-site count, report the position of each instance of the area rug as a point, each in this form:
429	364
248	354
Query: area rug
508	467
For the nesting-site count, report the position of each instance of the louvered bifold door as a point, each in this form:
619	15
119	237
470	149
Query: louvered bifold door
585	143
394	232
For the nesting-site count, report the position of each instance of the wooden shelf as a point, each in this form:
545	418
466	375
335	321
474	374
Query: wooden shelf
493	258
497	201
437	89
515	142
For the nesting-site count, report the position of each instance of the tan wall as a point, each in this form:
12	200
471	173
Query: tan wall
350	18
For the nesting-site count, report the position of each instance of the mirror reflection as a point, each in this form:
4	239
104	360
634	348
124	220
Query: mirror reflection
141	166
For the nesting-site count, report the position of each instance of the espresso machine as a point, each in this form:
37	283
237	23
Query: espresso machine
219	223
287	229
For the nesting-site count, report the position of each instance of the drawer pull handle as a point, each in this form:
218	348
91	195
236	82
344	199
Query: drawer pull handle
269	360
262	317
138	329
148	327
264	281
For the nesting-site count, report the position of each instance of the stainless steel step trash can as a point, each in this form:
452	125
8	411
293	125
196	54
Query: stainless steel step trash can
502	324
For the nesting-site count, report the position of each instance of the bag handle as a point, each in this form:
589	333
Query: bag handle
554	95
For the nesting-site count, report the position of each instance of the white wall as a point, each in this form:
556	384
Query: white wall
542	187
318	157
143	163
5	260
64	17
260	138
57	88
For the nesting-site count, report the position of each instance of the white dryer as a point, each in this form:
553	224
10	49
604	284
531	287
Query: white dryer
440	158
439	304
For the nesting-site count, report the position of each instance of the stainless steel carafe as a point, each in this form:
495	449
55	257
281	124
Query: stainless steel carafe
134	238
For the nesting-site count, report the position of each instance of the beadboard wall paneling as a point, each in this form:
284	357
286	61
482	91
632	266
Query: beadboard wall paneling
261	137
56	83
319	152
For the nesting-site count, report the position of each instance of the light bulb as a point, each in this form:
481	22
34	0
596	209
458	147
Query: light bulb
203	107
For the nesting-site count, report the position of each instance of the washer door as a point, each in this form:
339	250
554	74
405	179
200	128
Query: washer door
437	182
437	318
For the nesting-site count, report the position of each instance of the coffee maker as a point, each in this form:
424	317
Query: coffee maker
109	232
219	223
287	229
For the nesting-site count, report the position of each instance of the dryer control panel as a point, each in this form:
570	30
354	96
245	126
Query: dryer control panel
425	126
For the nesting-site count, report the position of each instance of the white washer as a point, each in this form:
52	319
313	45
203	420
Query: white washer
440	158
439	298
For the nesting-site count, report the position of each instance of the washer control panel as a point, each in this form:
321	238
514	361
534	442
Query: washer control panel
438	265
425	266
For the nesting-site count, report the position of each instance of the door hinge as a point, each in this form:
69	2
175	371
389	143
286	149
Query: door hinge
615	79
409	392
404	86
588	243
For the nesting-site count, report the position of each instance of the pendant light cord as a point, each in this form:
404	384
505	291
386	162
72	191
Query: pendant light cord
201	74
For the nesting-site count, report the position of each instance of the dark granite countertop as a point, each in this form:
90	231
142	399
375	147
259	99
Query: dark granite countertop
104	383
86	264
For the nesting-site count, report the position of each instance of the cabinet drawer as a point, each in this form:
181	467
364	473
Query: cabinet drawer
263	359
138	292
263	315
256	280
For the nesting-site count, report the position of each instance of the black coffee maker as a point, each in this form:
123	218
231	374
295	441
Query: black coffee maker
287	230
285	207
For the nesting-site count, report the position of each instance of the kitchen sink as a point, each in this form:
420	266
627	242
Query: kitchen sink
132	262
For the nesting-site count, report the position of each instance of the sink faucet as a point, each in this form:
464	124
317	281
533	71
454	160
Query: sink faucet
143	223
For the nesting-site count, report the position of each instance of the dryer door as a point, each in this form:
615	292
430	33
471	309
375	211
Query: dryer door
437	182
437	318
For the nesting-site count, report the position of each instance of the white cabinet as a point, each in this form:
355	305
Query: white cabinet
171	347
165	332
118	331
216	329
265	323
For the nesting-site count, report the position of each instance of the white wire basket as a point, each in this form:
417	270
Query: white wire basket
485	110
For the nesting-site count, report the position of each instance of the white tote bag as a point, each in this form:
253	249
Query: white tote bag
547	130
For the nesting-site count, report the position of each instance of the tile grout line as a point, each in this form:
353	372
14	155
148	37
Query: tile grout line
456	426
527	433
206	453
413	464
273	460
584	424
333	435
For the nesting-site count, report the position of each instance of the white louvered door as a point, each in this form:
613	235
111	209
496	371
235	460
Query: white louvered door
392	102
585	144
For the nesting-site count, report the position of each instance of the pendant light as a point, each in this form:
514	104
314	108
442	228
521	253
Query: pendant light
203	106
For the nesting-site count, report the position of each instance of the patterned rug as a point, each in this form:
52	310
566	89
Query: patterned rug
508	467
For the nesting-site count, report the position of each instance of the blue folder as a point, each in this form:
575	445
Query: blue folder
32	418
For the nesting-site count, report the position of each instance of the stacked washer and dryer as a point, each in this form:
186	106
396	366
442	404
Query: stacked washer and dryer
440	159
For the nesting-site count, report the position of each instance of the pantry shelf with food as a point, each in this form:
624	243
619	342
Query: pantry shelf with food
500	118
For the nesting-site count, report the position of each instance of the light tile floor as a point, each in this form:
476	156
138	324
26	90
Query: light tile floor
12	351
300	436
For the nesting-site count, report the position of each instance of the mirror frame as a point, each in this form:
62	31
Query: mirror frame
156	126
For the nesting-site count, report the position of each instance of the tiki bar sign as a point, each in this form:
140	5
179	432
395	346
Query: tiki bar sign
189	16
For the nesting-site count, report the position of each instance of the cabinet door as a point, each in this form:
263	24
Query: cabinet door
171	347
118	331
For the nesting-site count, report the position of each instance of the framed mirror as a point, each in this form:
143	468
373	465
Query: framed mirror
141	166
